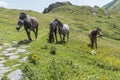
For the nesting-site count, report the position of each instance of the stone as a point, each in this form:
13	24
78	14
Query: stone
24	47
21	51
14	57
6	44
1	65
15	42
10	54
10	49
93	52
1	47
4	70
15	75
2	61
24	59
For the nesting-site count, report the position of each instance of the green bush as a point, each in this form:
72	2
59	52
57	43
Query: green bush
33	58
63	69
53	50
31	72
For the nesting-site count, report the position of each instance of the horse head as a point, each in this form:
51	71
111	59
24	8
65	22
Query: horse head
59	23
22	16
99	31
19	24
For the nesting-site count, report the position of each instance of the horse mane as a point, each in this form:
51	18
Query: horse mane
27	19
60	23
22	15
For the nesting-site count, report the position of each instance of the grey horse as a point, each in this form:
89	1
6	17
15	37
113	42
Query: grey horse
93	36
63	30
30	24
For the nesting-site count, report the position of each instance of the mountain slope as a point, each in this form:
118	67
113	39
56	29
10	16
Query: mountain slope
112	6
74	60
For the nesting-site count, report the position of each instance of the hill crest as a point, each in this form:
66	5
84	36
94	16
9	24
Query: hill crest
112	6
56	5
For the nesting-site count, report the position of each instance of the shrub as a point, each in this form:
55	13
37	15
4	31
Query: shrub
31	72
53	50
45	47
33	58
63	69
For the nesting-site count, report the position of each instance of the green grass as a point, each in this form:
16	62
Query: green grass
73	60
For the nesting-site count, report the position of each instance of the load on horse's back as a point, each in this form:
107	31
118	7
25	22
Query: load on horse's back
30	24
93	36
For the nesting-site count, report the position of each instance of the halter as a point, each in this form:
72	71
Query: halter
21	20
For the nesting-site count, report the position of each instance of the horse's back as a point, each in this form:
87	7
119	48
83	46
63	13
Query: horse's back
66	28
34	22
35	19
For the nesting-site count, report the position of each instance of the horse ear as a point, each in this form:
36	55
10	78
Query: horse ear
56	19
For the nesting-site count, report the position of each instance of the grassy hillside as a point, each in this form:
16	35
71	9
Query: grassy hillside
73	60
113	6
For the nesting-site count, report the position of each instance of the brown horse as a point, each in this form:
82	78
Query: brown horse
93	36
30	24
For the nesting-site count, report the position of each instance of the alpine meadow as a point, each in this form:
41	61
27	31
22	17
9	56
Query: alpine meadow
73	60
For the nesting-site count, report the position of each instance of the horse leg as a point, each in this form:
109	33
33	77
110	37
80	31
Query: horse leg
56	35
92	44
64	38
36	34
96	43
52	37
28	34
67	36
60	37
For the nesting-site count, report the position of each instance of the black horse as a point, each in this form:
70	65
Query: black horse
93	36
30	24
53	31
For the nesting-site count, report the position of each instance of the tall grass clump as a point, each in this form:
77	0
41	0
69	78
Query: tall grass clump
33	58
31	72
63	69
53	50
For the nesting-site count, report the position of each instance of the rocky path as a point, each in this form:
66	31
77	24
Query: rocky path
11	52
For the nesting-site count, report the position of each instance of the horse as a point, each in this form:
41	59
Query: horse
93	36
53	31
30	24
63	30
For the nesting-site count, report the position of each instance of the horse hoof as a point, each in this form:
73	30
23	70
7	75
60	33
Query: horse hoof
30	40
36	39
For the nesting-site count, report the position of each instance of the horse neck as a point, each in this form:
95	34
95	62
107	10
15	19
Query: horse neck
60	23
27	19
60	27
94	33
